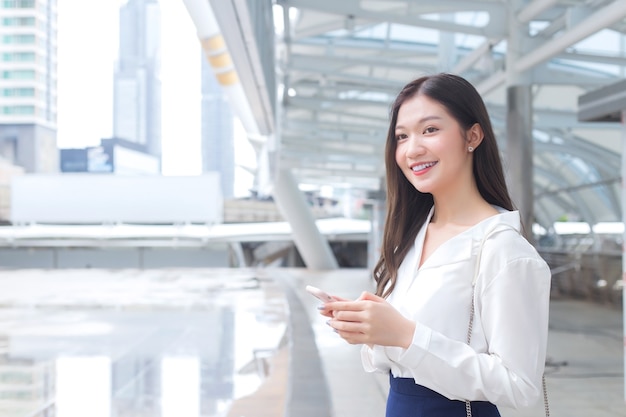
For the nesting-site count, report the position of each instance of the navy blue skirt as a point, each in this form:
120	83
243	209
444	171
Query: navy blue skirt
407	399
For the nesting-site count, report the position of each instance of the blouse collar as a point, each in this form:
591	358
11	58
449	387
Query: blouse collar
463	245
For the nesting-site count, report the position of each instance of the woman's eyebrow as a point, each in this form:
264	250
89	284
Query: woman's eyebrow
422	120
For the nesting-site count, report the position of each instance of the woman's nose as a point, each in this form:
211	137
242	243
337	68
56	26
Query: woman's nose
414	146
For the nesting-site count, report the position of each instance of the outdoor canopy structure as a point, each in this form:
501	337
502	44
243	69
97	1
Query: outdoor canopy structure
320	89
319	76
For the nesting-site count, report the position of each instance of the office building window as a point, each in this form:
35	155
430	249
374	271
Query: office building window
18	57
18	75
18	21
18	4
17	92
17	110
20	39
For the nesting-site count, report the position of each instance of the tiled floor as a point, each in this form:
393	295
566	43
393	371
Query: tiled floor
213	343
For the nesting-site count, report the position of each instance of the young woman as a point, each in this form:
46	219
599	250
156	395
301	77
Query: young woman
453	249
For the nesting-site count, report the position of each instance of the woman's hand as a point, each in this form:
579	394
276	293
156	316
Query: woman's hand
325	310
370	320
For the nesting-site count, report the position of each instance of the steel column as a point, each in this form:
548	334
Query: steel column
520	150
313	247
519	127
623	172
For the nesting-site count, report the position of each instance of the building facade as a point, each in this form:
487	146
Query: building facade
137	85
112	156
28	84
217	133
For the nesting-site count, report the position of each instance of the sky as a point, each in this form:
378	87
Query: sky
88	38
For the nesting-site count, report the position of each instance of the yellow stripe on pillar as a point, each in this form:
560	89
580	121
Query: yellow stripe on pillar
220	60
227	78
213	43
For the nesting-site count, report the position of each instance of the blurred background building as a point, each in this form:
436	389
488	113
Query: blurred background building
217	136
28	84
137	97
115	156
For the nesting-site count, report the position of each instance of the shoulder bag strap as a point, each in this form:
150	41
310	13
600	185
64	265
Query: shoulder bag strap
498	228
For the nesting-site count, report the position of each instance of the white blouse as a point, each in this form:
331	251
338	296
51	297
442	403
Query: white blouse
505	361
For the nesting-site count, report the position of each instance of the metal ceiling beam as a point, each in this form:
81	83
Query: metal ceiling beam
337	138
602	18
558	200
377	82
355	8
488	85
548	75
534	9
581	206
450	6
338	116
331	103
310	154
596	59
605	16
374	46
329	25
474	56
312	177
327	171
345	61
603	167
598	155
337	87
336	130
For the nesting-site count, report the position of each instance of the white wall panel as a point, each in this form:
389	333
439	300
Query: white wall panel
93	198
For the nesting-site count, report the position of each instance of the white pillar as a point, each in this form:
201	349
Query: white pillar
313	247
519	151
447	47
623	169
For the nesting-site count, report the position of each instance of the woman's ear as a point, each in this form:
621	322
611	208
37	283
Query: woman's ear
475	135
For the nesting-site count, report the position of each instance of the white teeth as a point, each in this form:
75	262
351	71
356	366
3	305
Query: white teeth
423	166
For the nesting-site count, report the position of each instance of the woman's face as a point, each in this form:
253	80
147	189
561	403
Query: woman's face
432	151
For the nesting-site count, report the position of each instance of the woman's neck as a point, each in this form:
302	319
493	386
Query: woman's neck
461	208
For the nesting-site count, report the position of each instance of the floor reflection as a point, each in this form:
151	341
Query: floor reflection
104	363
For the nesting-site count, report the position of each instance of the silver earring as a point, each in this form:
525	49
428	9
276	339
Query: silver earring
470	148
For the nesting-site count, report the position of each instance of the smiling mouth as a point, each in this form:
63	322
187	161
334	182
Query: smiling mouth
421	167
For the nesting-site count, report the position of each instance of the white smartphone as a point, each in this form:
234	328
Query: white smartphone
319	294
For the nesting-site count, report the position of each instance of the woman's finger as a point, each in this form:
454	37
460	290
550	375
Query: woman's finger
348	315
345	305
353	338
346	326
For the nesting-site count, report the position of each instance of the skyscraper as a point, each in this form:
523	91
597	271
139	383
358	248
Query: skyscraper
218	149
137	85
28	84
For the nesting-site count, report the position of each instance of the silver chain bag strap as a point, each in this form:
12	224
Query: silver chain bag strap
468	405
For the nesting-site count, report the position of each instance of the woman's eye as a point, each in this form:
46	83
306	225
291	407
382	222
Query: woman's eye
430	129
401	136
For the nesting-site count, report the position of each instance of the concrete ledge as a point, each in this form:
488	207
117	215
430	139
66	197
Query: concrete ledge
307	392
